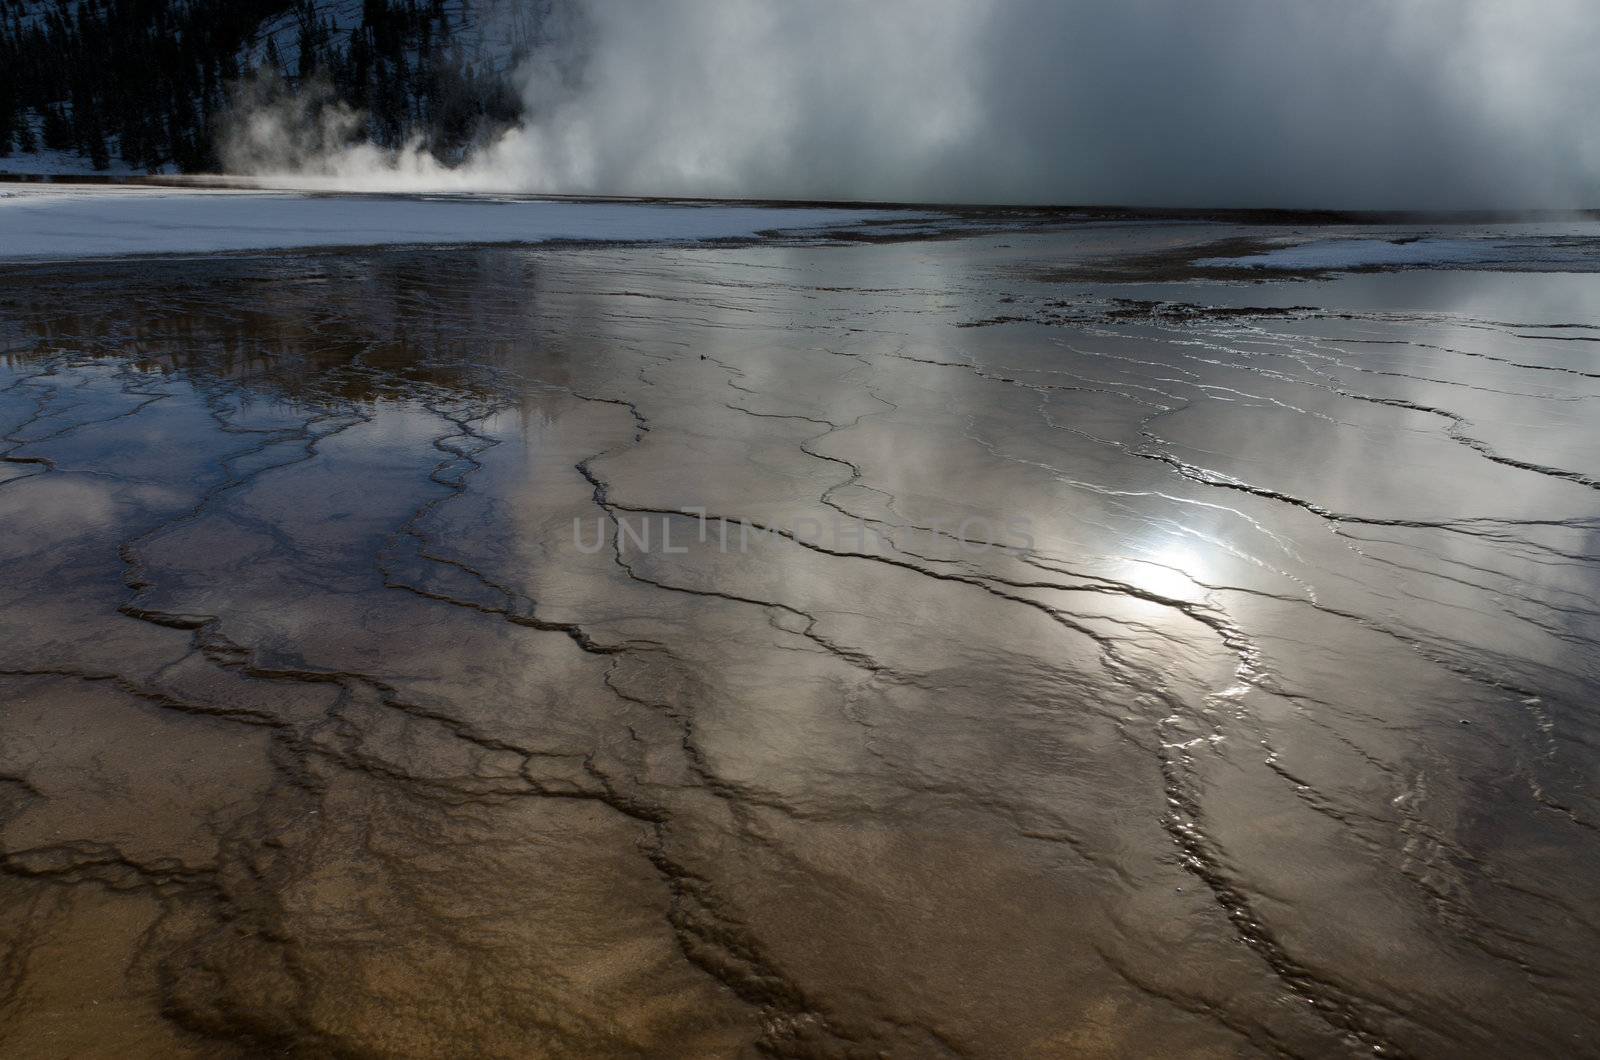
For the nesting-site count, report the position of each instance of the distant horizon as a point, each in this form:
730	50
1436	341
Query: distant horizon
1305	214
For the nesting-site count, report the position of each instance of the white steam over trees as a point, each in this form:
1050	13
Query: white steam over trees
155	84
1290	103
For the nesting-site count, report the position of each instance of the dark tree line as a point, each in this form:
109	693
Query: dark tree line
404	68
152	81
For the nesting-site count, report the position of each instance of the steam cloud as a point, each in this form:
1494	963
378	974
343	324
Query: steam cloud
1297	103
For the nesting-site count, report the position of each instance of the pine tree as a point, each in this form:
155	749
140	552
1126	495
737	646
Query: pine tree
130	145
8	104
308	49
99	154
57	131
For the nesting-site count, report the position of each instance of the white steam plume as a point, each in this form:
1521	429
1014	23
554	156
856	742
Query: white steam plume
1295	103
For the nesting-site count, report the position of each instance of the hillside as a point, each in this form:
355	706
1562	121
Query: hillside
141	86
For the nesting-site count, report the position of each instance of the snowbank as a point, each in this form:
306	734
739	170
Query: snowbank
1572	248
69	222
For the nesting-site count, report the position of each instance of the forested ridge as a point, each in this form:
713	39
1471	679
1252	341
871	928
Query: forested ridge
150	84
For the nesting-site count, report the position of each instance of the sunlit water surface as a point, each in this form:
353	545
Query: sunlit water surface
986	664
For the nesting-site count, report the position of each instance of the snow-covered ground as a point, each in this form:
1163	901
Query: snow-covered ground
69	222
28	12
1567	246
490	33
284	31
1365	253
46	162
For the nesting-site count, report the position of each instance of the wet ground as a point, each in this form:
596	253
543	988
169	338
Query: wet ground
914	649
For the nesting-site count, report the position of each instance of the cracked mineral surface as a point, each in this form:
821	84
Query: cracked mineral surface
896	649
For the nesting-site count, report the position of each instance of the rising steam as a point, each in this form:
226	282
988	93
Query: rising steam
1351	104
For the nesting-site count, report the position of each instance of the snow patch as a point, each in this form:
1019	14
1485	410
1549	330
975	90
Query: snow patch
1573	249
46	162
57	222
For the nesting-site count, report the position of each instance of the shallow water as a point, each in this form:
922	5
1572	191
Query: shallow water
986	665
